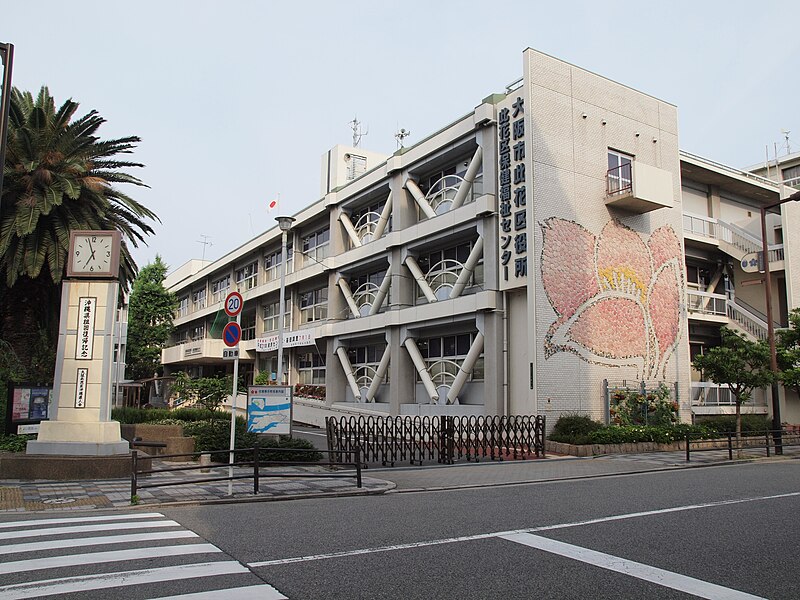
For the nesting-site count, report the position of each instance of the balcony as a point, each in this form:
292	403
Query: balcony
709	398
196	351
707	306
639	188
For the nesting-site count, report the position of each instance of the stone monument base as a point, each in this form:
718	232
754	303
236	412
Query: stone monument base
68	438
69	468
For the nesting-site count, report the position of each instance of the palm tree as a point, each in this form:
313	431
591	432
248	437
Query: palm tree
58	176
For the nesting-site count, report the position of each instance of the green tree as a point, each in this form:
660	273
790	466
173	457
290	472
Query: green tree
742	364
789	352
58	176
150	313
209	392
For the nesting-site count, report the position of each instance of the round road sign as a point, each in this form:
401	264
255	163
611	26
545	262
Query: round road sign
233	304
231	334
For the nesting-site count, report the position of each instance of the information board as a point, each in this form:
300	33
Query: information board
269	409
27	405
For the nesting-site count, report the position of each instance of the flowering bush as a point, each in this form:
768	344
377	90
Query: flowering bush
638	433
315	392
655	408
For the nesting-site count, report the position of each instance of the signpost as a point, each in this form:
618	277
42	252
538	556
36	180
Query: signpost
231	336
269	409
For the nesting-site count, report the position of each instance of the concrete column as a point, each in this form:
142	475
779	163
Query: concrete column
412	187
383	220
466	186
344	218
380	373
402	382
348	296
419	364
344	360
380	296
469	268
419	277
491	325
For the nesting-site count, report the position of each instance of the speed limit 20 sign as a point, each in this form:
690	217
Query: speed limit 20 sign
233	304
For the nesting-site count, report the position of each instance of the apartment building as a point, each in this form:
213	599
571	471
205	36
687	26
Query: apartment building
549	244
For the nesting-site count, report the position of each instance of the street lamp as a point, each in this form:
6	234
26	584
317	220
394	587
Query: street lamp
285	223
773	352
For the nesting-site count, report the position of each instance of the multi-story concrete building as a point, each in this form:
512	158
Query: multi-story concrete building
522	260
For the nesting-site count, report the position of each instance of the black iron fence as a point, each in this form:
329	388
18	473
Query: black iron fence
444	439
772	441
253	459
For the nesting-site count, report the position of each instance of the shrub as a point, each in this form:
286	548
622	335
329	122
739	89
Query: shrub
654	408
751	424
129	415
574	429
14	443
630	434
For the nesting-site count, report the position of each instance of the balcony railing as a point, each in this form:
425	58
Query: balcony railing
619	180
706	303
701	226
707	393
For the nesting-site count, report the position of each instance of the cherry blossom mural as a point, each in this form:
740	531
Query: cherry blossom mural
618	299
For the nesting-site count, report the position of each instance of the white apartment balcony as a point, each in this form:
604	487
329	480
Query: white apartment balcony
733	240
639	188
196	351
709	398
705	306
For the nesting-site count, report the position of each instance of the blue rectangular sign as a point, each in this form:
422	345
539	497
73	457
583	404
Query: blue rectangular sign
269	409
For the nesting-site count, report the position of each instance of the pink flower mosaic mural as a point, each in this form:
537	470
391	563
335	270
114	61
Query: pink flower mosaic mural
618	299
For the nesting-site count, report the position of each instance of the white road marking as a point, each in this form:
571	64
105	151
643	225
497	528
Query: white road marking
96	541
72	560
15	535
483	536
662	577
84	583
63	520
253	592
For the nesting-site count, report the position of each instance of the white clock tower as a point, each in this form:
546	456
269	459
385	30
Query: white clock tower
80	419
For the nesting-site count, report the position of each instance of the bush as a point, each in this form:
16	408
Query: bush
751	424
132	416
14	443
574	429
640	433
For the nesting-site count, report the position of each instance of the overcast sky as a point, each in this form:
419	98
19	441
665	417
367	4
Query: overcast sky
236	101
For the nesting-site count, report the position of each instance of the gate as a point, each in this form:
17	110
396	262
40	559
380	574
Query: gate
445	439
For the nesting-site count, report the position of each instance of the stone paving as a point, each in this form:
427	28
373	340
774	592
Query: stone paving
283	483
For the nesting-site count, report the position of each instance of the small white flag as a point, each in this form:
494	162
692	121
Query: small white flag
272	205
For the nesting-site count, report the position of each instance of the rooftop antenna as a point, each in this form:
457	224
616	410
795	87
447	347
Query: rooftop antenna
401	135
355	125
206	241
785	134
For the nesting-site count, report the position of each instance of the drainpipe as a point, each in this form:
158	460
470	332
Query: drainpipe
412	187
348	295
469	268
419	363
466	368
348	371
380	373
469	179
412	265
381	295
383	220
350	229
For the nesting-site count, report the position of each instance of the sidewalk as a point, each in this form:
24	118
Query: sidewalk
28	496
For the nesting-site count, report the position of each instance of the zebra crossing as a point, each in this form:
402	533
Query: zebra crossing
131	556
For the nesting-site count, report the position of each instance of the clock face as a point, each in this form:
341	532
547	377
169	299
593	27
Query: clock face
94	253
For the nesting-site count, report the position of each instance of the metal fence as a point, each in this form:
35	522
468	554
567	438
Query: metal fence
444	439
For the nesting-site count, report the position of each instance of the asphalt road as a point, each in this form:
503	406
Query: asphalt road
718	532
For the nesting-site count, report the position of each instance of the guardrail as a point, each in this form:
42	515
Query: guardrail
256	463
773	440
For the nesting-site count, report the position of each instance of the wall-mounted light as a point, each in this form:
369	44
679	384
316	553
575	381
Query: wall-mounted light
584	115
603	122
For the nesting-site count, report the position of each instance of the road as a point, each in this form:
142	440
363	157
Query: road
715	532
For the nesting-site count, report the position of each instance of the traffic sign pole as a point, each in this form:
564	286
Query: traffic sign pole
233	415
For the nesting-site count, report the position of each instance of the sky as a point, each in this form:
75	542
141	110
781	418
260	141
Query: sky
235	102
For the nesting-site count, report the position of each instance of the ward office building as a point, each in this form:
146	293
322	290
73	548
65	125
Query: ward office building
548	246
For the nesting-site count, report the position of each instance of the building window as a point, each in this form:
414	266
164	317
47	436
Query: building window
791	176
442	267
314	305
199	299
247	277
219	289
441	186
619	176
248	326
270	315
365	220
183	307
198	332
365	361
444	355
366	285
182	336
315	246
272	264
311	368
